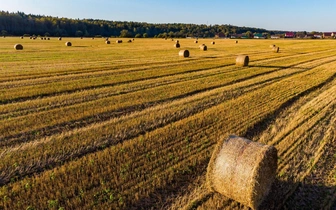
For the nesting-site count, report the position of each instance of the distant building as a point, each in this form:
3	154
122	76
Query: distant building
220	35
289	35
328	35
258	36
275	37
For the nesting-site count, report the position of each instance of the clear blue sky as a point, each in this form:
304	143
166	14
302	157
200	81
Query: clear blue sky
291	15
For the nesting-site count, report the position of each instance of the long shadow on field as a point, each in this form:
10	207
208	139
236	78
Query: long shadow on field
290	195
272	67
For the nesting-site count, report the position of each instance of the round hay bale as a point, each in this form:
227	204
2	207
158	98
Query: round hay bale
18	47
203	47
68	44
34	38
92	38
21	37
177	41
107	42
119	41
129	41
41	38
30	37
213	42
177	45
272	45
242	170
242	60
60	38
133	39
184	53
196	41
48	38
236	41
45	38
276	49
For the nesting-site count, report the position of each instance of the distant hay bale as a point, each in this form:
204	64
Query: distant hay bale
41	38
48	38
119	41
81	37
18	47
272	45
21	37
276	49
92	38
133	39
184	53
34	38
68	44
129	41
30	37
242	60
107	39
242	170
107	42
45	38
4	36
236	41
177	41
212	42
196	41
177	45
203	47
59	38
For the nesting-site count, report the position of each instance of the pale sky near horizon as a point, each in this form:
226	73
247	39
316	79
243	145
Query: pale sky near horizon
287	15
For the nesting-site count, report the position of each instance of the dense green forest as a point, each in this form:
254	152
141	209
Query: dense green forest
19	23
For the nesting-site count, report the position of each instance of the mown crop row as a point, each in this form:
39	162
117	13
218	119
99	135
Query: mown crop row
127	173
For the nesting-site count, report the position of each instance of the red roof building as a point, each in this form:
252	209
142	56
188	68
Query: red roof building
289	35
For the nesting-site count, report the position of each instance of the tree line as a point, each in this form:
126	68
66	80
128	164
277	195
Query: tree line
19	24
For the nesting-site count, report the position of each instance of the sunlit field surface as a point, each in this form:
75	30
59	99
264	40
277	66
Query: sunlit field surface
133	125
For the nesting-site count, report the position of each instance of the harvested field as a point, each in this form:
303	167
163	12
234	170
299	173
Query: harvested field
97	126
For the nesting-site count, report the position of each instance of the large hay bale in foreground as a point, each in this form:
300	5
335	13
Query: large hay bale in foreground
119	41
177	45
242	60
184	53
107	42
242	170
203	47
276	49
68	44
18	47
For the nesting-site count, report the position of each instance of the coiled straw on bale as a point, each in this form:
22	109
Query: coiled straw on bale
69	44
18	47
276	49
242	170
242	60
177	45
184	53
